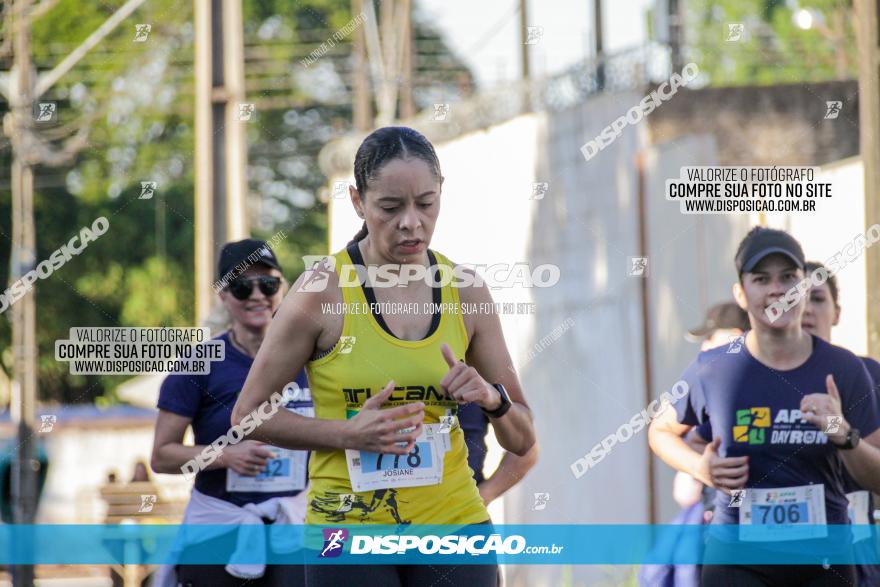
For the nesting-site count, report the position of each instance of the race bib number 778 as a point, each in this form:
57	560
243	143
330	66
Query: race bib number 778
423	465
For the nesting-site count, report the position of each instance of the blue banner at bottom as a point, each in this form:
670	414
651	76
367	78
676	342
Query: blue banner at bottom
475	544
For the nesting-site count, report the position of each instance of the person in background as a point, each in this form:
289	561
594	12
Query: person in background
723	324
512	468
250	481
821	314
510	471
744	396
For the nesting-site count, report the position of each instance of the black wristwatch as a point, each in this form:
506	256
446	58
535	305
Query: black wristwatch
505	403
852	440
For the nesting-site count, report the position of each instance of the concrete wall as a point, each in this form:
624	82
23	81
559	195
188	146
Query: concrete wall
691	257
781	125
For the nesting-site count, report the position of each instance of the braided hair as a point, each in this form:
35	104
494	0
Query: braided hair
386	144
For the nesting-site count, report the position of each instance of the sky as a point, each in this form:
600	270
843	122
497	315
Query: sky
486	36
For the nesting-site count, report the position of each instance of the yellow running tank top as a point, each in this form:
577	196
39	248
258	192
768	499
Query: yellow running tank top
362	362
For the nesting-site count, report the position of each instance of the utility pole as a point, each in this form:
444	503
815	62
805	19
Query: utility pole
676	32
221	153
525	69
599	49
407	105
23	89
524	57
867	25
361	107
23	259
385	47
389	86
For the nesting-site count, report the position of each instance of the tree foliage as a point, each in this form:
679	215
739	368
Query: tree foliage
137	99
773	48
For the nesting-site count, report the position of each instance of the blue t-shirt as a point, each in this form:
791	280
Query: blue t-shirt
208	400
475	425
704	431
850	484
755	410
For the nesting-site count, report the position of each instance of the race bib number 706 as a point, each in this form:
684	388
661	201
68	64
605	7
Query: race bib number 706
784	513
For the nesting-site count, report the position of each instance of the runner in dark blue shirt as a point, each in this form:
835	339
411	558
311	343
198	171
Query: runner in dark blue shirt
512	468
770	403
724	323
207	401
821	314
246	472
754	412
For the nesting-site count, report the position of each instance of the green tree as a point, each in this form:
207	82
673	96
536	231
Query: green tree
773	48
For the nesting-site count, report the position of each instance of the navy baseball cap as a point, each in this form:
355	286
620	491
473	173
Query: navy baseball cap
245	253
761	242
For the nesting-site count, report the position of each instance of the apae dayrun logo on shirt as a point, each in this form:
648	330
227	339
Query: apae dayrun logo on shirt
785	427
751	425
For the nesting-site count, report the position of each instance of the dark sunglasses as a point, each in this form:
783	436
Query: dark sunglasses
242	287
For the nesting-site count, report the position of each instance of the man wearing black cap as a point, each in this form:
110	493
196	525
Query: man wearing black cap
761	242
768	408
248	481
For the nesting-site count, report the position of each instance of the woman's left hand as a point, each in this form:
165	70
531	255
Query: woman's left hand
823	410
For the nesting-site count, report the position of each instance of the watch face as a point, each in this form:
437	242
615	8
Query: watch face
852	439
505	402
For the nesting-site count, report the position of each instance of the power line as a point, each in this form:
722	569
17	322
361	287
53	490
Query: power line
496	28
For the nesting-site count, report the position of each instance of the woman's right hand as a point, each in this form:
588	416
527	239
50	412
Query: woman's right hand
376	430
248	457
723	473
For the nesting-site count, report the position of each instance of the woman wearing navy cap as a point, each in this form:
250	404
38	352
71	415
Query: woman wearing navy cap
249	482
770	407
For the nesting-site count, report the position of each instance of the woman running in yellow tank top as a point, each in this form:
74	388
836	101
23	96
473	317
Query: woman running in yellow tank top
387	448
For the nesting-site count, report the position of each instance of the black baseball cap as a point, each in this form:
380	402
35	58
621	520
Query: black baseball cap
723	316
761	242
245	253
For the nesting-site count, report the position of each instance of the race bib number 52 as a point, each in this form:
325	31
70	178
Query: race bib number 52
286	472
